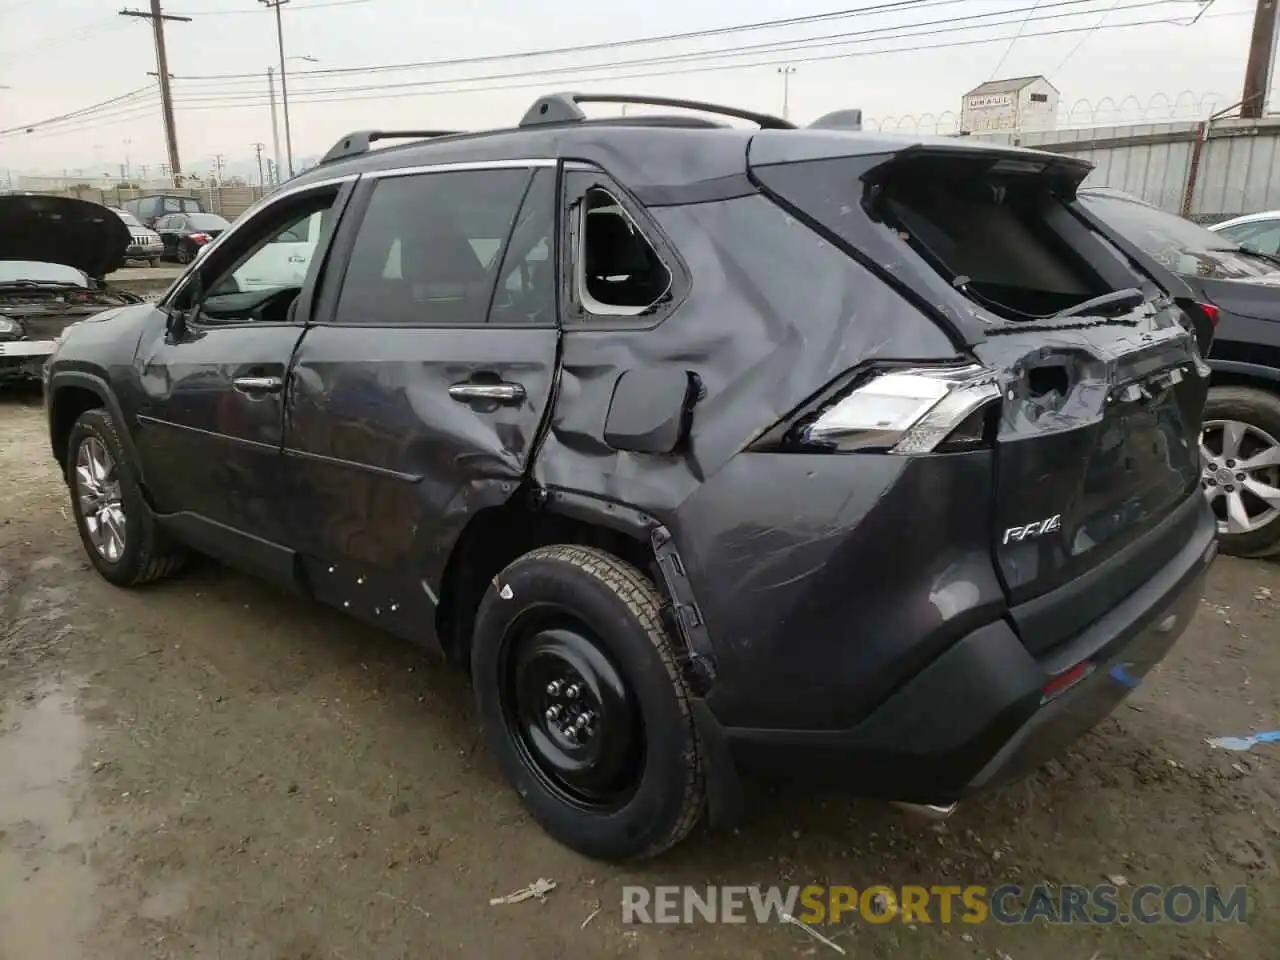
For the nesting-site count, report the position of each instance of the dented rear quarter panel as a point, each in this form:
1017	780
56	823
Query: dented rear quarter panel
777	545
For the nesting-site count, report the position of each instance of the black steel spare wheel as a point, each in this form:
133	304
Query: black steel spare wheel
584	705
570	712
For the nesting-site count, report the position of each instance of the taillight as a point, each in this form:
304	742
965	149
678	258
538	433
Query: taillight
1065	681
201	237
1211	312
904	412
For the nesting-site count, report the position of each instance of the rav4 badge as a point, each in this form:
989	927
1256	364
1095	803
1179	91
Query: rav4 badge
1032	530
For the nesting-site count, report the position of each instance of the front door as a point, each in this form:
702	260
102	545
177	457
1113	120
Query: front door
418	394
211	415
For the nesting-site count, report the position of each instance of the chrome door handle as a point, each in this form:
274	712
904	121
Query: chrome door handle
468	392
258	384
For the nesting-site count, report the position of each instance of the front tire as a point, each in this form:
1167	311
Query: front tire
184	253
583	703
117	529
1240	447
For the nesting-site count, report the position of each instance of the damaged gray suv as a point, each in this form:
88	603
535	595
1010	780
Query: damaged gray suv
711	452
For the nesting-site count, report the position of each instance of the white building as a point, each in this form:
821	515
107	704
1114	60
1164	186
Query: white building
1010	106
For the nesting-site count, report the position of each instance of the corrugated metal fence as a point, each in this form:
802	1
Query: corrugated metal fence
1208	172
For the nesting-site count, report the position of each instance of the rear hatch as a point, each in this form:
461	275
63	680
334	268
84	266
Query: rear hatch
1096	441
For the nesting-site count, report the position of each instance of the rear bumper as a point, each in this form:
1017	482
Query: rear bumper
974	717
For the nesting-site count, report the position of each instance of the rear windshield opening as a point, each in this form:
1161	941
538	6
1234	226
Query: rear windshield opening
990	235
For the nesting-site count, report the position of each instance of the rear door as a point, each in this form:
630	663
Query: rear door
417	396
170	227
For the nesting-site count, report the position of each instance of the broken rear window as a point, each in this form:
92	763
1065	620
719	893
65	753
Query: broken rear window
990	234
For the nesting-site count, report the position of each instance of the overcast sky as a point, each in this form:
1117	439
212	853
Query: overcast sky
57	56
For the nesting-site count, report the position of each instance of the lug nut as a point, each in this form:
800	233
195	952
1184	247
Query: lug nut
1230	488
1212	482
581	722
1231	463
571	734
572	692
553	713
1240	477
553	688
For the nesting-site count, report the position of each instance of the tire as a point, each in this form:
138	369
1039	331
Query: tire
154	261
147	553
611	605
1258	410
184	253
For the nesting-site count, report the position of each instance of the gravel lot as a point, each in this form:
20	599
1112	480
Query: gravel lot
209	769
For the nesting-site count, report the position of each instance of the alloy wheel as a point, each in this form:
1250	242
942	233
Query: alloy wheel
97	486
571	714
1240	475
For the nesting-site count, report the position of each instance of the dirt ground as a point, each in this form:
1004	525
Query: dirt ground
208	769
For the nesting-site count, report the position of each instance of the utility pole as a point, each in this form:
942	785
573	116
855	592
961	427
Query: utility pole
272	176
144	172
1262	49
284	83
257	148
157	18
786	72
275	129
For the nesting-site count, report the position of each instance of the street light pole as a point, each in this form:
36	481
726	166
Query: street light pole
275	127
786	72
284	83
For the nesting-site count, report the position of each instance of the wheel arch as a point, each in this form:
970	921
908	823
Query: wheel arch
71	393
1231	373
496	535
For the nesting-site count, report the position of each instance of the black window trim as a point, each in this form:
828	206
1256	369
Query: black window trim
245	221
329	291
574	310
316	269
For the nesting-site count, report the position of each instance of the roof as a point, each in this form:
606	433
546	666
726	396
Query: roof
1248	218
1010	85
648	154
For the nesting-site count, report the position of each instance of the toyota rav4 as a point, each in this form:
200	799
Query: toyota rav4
711	451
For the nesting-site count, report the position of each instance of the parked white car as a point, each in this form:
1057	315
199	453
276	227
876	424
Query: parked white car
1259	232
282	262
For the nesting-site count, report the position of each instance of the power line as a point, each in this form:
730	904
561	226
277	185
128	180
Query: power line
87	31
883	7
1009	49
132	94
743	50
839	40
1084	38
303	7
526	83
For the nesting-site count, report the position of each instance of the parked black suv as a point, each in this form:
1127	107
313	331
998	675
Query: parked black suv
1240	287
710	450
151	208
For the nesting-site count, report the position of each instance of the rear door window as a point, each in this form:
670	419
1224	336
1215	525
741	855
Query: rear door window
429	247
